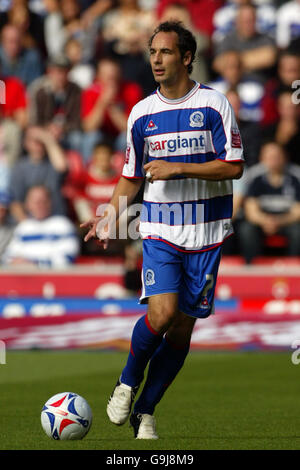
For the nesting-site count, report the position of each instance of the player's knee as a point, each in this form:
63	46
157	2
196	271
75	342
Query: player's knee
161	319
162	311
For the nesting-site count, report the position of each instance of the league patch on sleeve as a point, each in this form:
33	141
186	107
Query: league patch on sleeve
236	141
127	155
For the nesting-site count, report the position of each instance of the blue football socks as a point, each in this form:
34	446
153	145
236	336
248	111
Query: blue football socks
144	342
163	368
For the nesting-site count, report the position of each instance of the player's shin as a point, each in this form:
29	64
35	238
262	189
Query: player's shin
144	342
163	368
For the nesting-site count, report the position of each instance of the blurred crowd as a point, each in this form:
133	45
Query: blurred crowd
70	72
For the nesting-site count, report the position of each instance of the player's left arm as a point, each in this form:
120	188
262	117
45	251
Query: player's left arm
216	170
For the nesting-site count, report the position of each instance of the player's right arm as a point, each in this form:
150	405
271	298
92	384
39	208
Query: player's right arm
128	186
125	187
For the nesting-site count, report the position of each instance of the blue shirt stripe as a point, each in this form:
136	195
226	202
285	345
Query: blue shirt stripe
188	212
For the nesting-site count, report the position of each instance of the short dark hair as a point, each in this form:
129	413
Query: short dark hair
186	40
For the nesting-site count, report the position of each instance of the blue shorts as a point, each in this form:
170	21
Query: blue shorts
192	275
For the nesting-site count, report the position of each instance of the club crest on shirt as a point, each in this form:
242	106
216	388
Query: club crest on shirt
149	277
196	119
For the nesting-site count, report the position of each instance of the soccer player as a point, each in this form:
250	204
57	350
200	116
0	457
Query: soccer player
184	139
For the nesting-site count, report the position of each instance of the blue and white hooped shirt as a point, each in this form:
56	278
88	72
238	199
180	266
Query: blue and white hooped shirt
189	213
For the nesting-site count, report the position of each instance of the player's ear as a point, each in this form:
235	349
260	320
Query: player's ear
187	58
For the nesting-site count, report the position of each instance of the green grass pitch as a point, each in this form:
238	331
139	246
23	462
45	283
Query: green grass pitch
232	400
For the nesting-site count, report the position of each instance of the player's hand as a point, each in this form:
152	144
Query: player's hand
91	224
160	170
96	231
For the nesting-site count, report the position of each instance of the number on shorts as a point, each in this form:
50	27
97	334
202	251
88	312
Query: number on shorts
208	284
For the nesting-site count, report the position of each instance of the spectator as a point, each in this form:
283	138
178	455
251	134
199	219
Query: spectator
286	131
125	35
13	101
45	163
64	21
17	61
55	103
106	106
272	205
70	22
53	28
258	51
288	71
42	239
251	91
6	227
80	72
134	65
180	12
97	182
94	189
29	23
251	96
201	11
125	21
288	23
240	187
224	18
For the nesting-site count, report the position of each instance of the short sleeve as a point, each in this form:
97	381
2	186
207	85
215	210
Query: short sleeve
225	132
134	157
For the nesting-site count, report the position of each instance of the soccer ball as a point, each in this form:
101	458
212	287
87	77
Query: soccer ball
66	416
